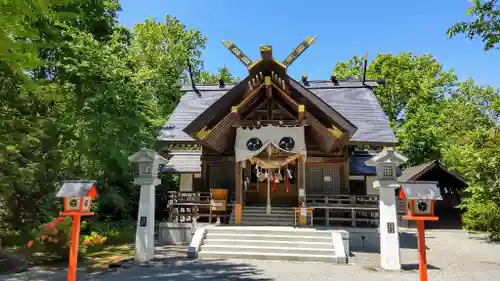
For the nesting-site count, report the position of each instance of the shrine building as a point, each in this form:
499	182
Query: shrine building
273	141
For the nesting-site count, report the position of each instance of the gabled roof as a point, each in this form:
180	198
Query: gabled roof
420	190
418	172
315	106
351	99
77	188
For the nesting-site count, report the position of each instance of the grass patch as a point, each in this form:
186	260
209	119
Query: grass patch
102	258
118	247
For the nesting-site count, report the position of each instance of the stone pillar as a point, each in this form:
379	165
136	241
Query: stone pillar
386	182
144	240
390	258
148	162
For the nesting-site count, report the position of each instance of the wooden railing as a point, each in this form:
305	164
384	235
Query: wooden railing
346	210
192	206
188	206
354	210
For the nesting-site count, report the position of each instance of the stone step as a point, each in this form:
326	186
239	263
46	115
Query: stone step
266	237
268	249
260	255
267	222
269	219
269	230
264	212
269	243
259	215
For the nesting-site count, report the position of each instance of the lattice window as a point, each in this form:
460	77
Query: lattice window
388	171
323	180
331	178
314	180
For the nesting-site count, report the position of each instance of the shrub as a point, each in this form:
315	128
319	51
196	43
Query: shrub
483	216
54	239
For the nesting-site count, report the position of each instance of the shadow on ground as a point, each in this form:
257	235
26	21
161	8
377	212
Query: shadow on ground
173	269
372	244
168	269
414	266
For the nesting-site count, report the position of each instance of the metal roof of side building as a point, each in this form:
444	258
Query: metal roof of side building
353	100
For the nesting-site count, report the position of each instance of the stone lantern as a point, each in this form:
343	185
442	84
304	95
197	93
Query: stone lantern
148	162
386	163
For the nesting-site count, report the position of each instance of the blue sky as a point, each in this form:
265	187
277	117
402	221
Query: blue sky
344	28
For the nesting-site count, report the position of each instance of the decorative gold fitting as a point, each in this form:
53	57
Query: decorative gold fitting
267	81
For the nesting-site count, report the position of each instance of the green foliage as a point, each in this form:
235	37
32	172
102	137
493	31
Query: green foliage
437	117
486	23
78	95
408	81
205	77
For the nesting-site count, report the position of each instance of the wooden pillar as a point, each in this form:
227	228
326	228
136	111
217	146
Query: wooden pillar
238	204
301	175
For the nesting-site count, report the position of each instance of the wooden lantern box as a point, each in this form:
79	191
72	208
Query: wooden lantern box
420	200
78	197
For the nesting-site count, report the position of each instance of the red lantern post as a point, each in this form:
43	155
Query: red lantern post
419	200
78	197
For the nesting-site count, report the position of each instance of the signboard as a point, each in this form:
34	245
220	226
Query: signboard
302	192
86	204
218	205
197	175
143	222
391	227
303	212
327	179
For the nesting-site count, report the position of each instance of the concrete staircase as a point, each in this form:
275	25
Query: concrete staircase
272	243
256	216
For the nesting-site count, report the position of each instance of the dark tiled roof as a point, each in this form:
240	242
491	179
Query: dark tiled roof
410	172
415	173
356	103
184	162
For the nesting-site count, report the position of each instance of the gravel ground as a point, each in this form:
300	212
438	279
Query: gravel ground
452	255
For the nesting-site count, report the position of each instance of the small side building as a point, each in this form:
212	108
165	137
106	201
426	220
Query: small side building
451	186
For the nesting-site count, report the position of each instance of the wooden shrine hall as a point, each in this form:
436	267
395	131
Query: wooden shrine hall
272	141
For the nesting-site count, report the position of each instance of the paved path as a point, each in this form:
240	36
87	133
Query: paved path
454	255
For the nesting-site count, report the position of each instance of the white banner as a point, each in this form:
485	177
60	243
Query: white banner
250	142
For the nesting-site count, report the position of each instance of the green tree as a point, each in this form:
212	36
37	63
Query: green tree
205	77
79	99
485	23
407	81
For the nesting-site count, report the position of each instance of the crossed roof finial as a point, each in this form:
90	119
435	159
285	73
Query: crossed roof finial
266	52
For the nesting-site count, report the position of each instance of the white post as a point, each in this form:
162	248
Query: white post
148	162
144	239
390	258
386	182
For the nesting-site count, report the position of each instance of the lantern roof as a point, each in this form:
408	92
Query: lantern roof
78	188
147	155
420	190
388	155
